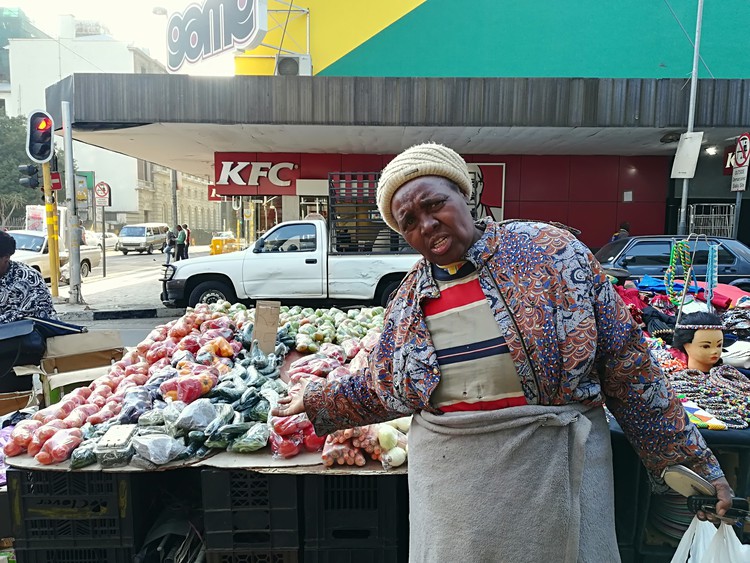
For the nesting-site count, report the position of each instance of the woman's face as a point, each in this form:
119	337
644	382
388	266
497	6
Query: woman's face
4	264
705	349
434	218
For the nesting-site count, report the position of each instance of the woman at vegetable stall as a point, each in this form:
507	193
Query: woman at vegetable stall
504	341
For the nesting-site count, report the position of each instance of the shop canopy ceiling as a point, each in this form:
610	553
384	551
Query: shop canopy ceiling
179	121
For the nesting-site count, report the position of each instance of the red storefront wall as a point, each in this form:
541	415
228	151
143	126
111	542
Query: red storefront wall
585	192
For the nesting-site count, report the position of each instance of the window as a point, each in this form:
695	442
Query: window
291	238
700	258
649	253
132	232
28	242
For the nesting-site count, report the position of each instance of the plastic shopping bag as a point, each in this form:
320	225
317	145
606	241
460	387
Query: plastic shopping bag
726	548
695	542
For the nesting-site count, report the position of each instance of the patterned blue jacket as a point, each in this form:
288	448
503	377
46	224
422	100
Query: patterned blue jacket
571	337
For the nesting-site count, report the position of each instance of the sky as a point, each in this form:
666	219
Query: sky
132	21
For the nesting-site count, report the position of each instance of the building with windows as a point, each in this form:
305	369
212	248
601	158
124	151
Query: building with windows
36	61
14	24
566	112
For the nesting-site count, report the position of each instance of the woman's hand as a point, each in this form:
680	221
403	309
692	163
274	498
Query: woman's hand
724	494
293	404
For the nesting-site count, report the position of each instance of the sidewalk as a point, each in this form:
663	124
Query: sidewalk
123	295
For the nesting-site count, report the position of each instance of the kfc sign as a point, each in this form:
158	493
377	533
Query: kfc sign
217	26
249	174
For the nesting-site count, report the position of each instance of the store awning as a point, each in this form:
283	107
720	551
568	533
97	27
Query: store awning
180	121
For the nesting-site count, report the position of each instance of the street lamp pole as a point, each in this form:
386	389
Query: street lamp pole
682	225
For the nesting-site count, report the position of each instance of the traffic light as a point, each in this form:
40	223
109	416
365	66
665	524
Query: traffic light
30	178
39	141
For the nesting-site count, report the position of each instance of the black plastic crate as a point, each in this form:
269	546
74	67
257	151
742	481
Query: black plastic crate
355	511
627	554
246	510
382	555
75	555
5	531
253	556
629	477
81	510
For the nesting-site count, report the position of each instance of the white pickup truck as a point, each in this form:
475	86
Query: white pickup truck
32	249
292	261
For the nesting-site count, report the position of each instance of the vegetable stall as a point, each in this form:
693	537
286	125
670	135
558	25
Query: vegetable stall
185	415
196	394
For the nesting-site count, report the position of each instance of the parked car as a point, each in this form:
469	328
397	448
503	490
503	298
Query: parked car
32	249
292	261
95	239
650	255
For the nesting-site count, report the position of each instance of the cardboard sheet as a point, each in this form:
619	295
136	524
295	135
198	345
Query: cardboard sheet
259	459
28	462
305	463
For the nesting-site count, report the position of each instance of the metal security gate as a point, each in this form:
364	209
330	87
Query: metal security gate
354	221
716	219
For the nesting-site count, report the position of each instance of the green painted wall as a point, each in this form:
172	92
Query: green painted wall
556	38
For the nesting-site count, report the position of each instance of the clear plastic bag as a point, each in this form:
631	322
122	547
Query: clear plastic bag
84	454
59	446
197	415
154	417
158	448
342	454
254	439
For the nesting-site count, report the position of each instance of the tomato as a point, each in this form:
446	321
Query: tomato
313	442
285	446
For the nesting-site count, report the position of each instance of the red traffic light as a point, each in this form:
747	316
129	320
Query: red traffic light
44	124
39	137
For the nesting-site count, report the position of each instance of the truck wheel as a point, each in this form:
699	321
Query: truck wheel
389	288
85	268
211	292
150	249
124	252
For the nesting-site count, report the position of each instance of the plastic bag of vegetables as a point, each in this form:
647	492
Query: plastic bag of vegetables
253	440
158	448
196	415
84	454
342	454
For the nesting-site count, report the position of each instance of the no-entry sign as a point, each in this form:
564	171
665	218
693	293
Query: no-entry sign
742	151
102	195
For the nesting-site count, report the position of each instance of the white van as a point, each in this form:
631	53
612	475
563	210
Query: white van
143	237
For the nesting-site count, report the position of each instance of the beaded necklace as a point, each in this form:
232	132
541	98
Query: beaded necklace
723	393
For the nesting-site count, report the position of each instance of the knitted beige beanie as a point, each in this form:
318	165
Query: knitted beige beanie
427	159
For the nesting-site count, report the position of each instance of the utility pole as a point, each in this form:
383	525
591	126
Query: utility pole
50	208
175	219
74	229
682	225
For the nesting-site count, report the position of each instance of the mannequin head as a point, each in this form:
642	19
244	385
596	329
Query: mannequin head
701	337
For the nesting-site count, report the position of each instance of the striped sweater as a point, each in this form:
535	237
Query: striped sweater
476	369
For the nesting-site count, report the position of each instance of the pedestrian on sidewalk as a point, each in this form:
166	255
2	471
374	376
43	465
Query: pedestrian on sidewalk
188	240
504	341
181	236
171	243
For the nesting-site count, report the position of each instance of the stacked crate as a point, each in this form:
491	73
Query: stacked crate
76	517
258	518
355	518
250	517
